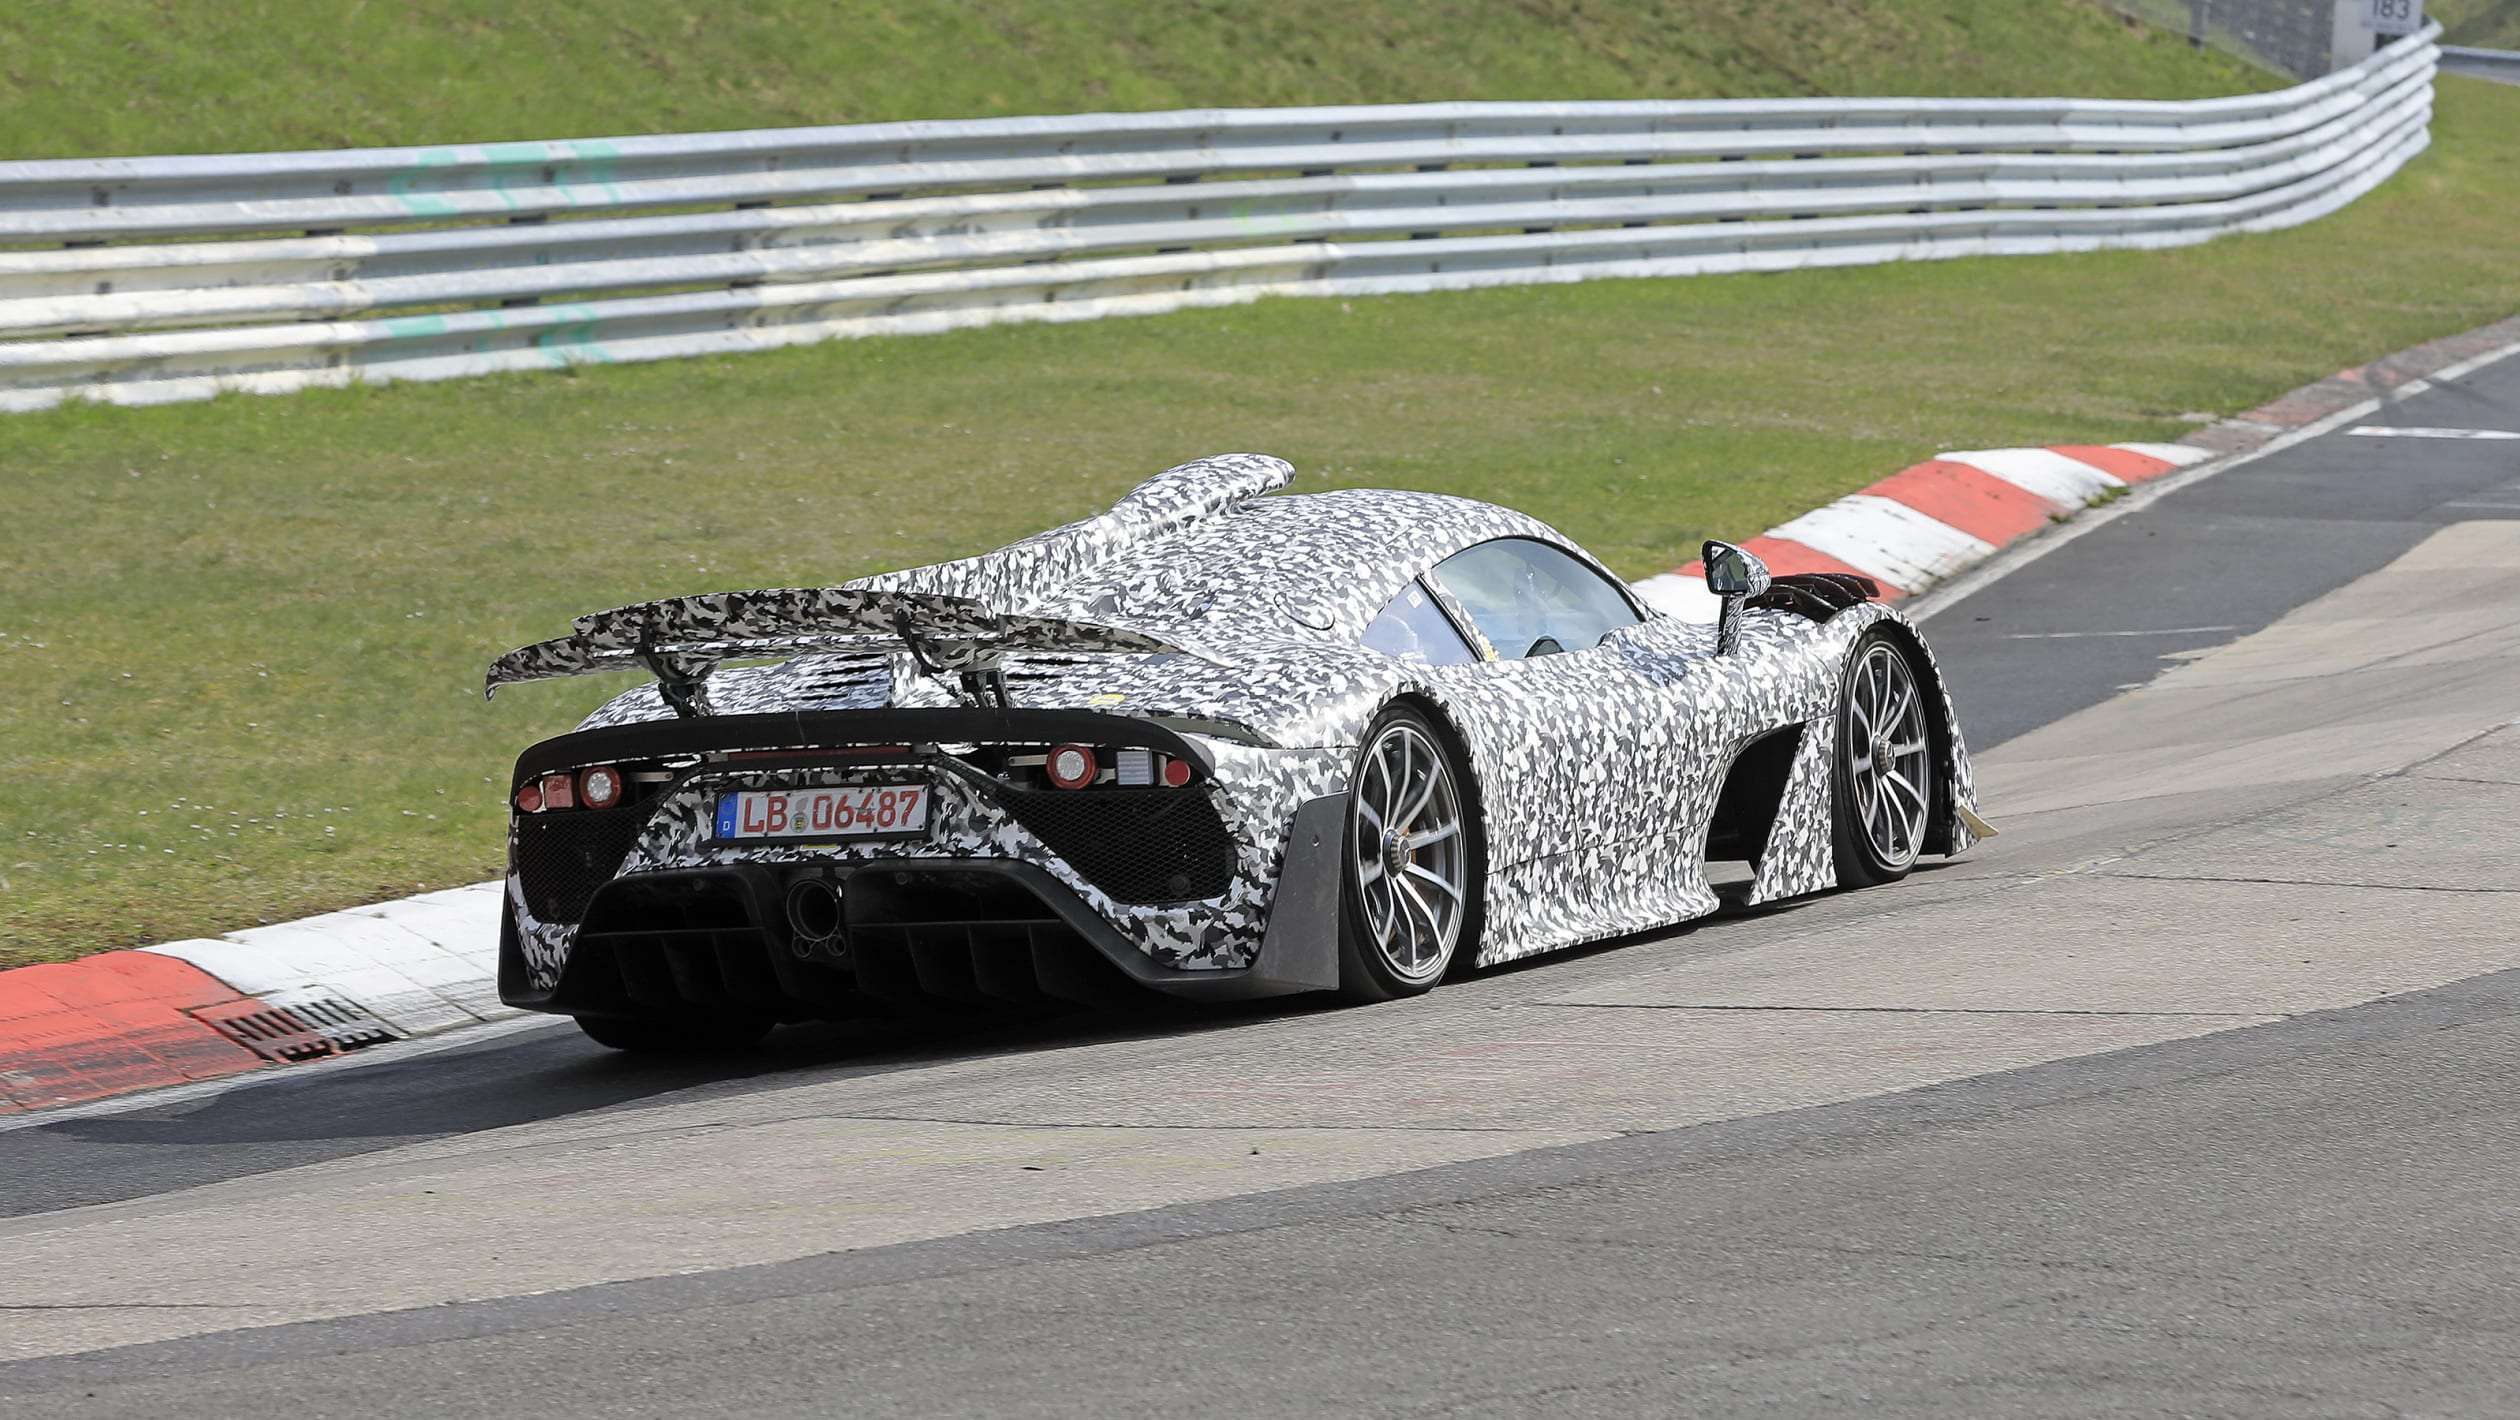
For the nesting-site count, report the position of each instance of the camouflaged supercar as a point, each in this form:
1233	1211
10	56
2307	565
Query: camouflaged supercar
1211	742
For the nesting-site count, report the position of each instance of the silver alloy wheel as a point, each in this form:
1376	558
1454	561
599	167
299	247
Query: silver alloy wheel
1889	757
1410	860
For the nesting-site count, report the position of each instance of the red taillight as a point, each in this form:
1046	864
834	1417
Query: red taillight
599	786
1176	773
529	799
1070	766
559	791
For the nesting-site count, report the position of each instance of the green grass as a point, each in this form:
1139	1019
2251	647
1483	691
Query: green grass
241	642
95	77
2484	24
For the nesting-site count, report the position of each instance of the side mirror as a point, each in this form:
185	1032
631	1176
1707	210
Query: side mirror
1731	572
1732	575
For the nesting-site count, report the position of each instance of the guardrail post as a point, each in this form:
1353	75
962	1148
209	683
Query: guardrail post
2348	42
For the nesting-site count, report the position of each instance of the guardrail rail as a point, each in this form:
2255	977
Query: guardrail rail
2501	64
143	280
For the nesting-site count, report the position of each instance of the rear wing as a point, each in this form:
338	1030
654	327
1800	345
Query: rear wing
682	639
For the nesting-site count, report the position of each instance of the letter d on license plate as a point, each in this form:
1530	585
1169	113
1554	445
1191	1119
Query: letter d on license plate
848	811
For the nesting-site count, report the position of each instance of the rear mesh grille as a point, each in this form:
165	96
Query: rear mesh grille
1137	845
562	857
714	943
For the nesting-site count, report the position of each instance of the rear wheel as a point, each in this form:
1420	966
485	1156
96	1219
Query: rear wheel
1885	785
652	1037
1409	895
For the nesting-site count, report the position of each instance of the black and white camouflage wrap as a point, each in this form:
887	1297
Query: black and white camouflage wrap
1595	772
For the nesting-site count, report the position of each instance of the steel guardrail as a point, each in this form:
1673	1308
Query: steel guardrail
2502	64
140	280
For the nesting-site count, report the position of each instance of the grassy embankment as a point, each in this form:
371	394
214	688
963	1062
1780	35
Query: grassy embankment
103	77
2482	24
240	642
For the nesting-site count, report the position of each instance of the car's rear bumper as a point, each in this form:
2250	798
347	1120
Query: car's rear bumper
922	936
1187	875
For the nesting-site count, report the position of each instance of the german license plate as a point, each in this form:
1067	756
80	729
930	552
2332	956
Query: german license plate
850	811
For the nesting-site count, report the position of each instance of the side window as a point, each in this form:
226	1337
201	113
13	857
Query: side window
1414	628
1531	599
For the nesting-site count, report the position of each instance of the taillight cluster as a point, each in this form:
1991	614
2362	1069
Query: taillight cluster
1082	767
597	786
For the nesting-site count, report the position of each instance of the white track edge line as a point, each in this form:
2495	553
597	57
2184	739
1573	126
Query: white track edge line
2030	549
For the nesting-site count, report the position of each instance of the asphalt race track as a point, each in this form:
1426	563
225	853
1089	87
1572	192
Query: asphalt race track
2196	1092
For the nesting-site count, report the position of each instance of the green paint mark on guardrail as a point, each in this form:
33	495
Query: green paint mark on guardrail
1248	221
423	204
508	166
573	341
508	162
594	160
413	327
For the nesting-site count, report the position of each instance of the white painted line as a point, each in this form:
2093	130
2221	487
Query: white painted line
2393	431
2176	455
2030	549
2077	635
1887	539
2069	483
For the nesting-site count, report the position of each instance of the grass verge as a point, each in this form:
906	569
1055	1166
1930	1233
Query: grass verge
102	77
2483	24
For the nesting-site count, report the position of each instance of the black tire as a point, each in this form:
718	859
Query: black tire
1366	973
1872	844
652	1037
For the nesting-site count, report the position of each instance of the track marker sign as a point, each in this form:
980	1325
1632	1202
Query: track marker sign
2393	17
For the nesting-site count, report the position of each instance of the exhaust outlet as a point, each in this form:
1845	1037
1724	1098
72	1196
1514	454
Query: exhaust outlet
814	917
